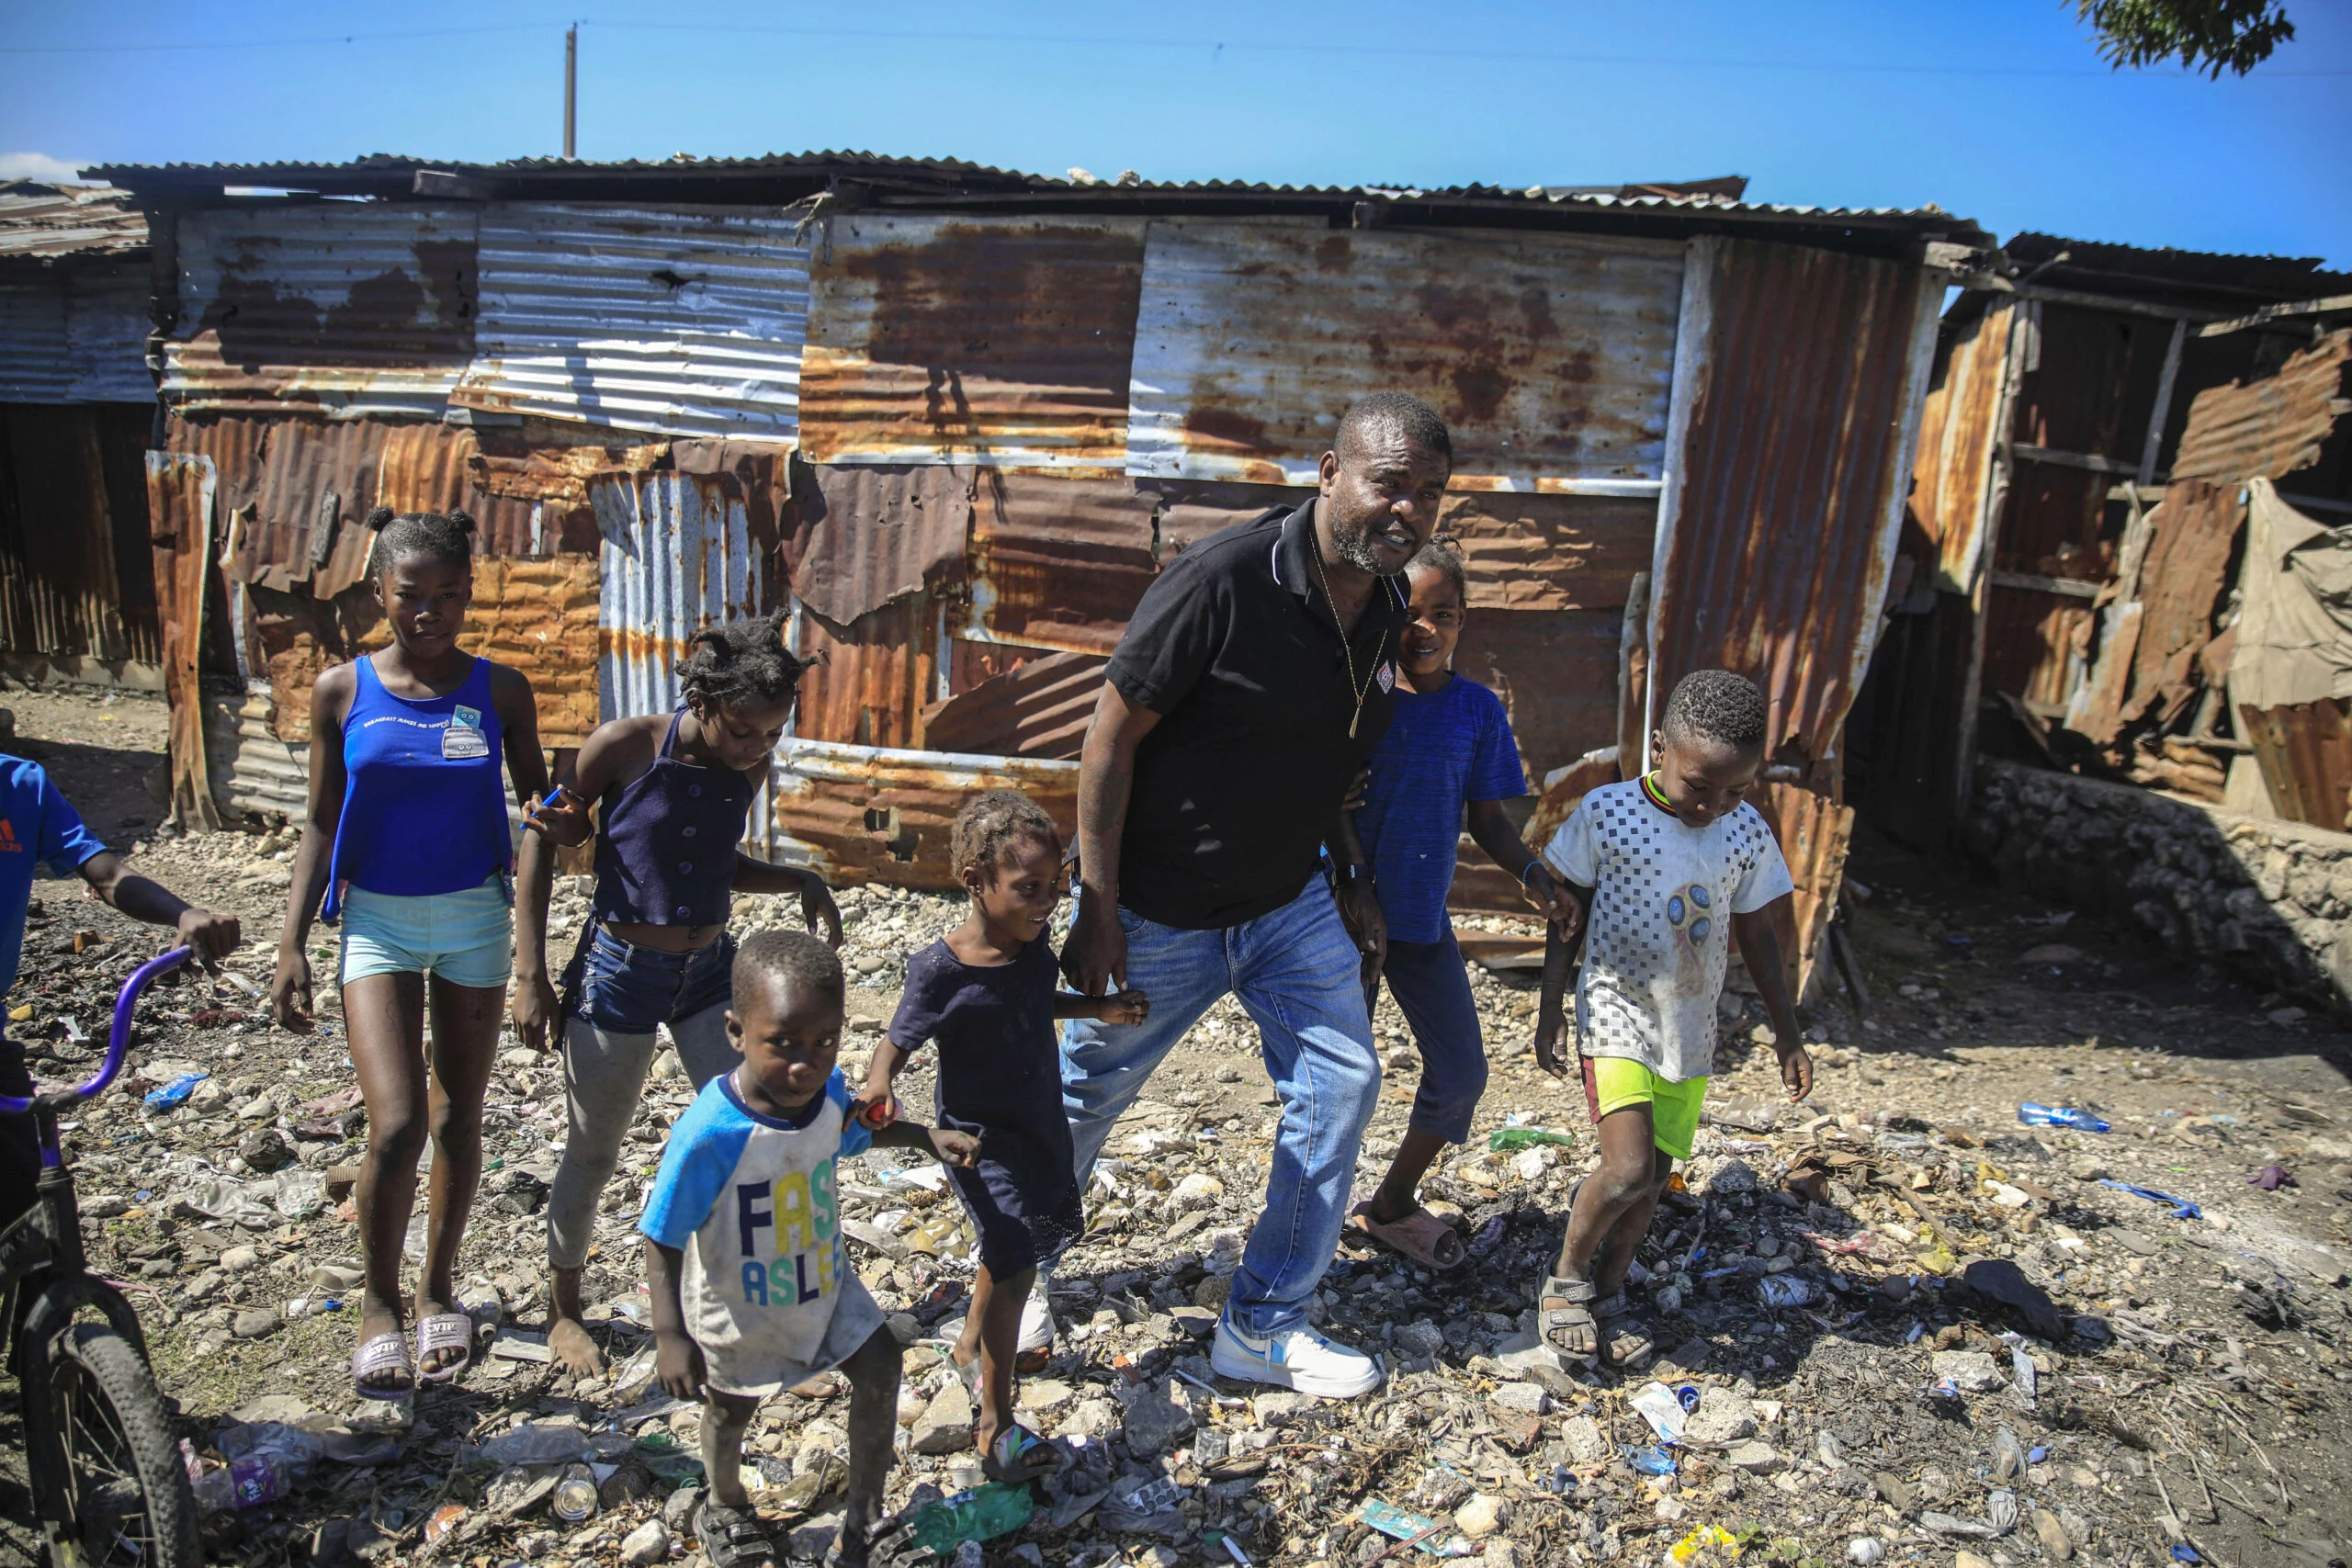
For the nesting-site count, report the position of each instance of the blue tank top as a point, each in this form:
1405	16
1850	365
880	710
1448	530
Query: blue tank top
665	854
424	800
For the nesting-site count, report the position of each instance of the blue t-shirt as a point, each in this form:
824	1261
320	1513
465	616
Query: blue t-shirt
1442	750
752	1204
36	823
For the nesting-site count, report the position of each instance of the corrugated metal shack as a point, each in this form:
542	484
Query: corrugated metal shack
954	419
77	597
2074	546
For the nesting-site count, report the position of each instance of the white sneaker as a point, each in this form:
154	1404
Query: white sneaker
1298	1359
1037	1317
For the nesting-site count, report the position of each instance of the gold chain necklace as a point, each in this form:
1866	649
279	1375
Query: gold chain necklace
1315	551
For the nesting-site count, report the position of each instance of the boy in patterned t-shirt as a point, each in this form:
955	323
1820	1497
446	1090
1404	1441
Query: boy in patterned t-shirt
743	1258
1670	868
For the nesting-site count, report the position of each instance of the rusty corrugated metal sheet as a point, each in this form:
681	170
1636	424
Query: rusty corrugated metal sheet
682	321
869	814
252	771
76	577
2273	426
75	335
1056	562
180	508
1557	673
678	556
995	341
2193	537
1549	552
333	308
1803	420
1038	709
1814	830
282	478
45	222
877	676
1952	472
1549	355
2304	750
871	535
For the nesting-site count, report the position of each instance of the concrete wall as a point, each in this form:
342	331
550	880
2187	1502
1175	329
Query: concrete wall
2268	899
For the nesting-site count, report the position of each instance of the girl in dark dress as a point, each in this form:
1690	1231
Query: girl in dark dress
989	993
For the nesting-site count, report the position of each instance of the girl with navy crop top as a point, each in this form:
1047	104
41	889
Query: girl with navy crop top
673	792
406	837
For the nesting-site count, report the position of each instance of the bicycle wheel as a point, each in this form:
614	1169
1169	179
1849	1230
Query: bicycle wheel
118	1494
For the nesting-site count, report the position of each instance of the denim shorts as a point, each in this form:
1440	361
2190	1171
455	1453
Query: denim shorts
622	989
466	939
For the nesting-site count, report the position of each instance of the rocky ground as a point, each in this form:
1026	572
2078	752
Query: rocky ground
1994	1357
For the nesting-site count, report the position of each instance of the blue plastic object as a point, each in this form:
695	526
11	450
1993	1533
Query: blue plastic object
1650	1461
2034	1115
2182	1209
175	1092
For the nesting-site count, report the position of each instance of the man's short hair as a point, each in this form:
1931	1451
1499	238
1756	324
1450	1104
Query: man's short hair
1717	706
788	955
1398	412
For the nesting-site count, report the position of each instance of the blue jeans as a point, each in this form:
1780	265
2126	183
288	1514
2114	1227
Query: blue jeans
1297	975
1432	991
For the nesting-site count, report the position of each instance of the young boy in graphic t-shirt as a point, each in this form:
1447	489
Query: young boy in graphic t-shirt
1671	867
751	1291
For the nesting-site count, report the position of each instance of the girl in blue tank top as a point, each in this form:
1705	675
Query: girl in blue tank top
672	792
406	842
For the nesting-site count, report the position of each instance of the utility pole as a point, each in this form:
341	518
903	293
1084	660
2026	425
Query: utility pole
572	91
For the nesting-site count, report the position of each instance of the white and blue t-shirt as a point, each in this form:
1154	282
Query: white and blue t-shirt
766	1289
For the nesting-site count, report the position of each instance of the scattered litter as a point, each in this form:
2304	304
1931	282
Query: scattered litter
2271	1178
175	1092
2182	1209
1506	1140
2034	1115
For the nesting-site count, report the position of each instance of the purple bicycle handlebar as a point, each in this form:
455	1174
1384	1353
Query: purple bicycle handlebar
119	1040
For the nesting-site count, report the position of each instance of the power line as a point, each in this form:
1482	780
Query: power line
338	39
1215	46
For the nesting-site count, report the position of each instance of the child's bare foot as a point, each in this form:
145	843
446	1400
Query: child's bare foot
576	1348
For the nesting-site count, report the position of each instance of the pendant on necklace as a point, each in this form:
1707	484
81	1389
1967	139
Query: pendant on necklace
1356	719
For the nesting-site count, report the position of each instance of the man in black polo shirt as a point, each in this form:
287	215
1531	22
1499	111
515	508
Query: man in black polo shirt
1249	690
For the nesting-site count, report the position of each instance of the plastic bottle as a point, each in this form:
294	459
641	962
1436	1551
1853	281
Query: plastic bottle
2008	1456
982	1513
1786	1291
1504	1140
2034	1115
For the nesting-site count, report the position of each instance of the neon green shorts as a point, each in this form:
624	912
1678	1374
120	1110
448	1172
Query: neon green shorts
1612	1083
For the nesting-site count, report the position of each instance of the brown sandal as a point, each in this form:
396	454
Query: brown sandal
1573	1295
1419	1235
1625	1345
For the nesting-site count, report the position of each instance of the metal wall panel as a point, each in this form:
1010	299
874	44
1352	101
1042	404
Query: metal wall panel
683	321
998	341
1549	355
335	308
1952	470
1057	563
252	771
75	335
1803	421
2271	427
678	556
870	814
45	222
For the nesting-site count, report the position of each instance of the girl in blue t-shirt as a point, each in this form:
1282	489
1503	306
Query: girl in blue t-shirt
1449	746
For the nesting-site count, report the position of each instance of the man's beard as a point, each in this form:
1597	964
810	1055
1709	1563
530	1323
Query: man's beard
1354	547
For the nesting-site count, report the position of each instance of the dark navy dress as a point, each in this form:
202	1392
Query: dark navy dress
999	1079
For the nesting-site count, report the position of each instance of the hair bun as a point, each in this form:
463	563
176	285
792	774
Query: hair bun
462	519
722	650
379	516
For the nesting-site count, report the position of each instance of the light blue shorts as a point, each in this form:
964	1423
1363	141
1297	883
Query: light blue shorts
466	939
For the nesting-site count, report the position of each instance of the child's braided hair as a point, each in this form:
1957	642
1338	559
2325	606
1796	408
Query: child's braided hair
991	821
444	536
739	663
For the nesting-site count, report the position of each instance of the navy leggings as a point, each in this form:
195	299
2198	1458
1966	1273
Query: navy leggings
1432	991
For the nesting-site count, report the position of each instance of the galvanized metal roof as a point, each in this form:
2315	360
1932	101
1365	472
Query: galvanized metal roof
75	335
49	222
2099	266
677	322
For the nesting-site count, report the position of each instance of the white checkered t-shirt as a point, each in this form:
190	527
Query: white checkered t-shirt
1659	937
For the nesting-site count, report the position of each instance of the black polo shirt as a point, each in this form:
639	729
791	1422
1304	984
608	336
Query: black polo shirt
1236	647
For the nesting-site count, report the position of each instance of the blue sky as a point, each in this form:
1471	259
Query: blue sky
1998	109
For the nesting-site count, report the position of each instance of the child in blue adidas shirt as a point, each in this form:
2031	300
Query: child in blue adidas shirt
751	1290
1448	750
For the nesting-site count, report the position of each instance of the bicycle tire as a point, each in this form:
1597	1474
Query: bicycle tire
117	1491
